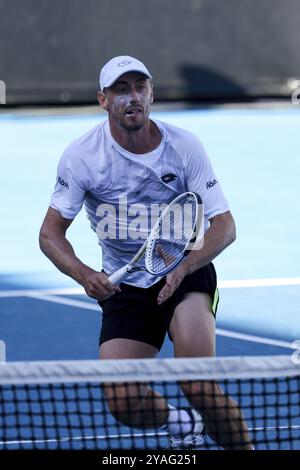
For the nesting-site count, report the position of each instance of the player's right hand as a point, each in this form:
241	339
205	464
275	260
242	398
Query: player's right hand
97	285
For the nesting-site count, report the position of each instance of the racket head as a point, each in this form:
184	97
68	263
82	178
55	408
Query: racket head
176	230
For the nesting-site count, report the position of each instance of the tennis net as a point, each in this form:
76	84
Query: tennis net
69	404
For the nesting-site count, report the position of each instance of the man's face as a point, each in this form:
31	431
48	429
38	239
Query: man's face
128	100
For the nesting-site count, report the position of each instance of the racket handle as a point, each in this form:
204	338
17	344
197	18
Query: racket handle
116	277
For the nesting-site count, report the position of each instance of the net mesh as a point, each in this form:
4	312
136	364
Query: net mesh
108	404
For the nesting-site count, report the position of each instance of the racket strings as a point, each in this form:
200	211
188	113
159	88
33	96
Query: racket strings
173	234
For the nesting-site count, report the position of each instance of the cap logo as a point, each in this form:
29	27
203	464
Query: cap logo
123	63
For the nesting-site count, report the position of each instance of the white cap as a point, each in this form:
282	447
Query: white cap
117	66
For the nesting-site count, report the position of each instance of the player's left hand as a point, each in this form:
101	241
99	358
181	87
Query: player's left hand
173	281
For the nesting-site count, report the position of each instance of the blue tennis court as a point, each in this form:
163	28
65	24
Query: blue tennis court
46	316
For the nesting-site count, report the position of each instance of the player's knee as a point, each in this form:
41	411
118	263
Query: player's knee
124	404
125	411
203	396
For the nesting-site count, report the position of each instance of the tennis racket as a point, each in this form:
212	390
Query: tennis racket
176	230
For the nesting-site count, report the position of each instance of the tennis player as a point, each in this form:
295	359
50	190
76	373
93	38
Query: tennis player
142	162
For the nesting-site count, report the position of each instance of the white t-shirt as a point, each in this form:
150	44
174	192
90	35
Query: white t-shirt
96	171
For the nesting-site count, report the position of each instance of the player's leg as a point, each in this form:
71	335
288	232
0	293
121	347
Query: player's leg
193	331
138	405
123	348
134	405
134	326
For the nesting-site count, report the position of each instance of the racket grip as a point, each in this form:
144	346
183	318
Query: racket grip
116	277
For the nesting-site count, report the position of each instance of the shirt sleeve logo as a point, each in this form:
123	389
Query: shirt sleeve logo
210	184
63	182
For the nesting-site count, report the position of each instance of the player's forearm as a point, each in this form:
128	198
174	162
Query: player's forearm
220	235
60	251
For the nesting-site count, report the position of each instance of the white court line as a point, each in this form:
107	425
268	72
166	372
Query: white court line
31	292
130	436
86	438
2	351
254	339
49	295
220	332
268	282
230	284
65	301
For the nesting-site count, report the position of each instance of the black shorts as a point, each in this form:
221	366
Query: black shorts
134	313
